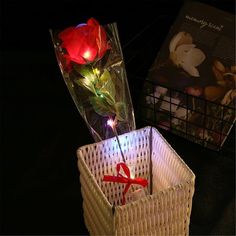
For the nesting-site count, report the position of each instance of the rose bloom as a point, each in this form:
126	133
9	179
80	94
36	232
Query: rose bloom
84	43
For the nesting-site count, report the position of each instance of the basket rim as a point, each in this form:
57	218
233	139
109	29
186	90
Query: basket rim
190	181
136	131
113	138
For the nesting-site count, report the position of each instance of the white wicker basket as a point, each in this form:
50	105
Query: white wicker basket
165	212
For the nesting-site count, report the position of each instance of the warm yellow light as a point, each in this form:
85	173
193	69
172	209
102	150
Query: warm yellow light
96	71
87	54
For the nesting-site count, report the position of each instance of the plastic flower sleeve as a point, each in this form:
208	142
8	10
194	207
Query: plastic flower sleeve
91	62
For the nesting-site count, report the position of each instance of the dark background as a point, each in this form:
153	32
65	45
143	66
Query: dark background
41	128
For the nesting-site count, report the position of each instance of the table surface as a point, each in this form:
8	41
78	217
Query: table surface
41	128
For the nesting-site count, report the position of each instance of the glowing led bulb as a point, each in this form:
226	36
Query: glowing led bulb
111	123
87	54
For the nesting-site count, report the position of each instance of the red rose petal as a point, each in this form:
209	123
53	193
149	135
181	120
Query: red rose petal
92	22
85	43
66	34
102	42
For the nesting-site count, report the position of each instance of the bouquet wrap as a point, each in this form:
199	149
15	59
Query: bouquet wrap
91	62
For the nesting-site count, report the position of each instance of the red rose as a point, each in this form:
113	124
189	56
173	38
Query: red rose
84	43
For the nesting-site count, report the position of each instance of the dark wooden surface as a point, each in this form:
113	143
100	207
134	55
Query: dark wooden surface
41	128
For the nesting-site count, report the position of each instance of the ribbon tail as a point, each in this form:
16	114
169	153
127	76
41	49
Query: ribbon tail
140	181
124	192
117	179
110	178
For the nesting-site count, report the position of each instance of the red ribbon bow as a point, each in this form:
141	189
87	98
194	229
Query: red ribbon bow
124	179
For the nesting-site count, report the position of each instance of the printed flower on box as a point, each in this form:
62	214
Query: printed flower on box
184	54
205	88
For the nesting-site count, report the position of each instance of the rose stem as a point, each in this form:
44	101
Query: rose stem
118	141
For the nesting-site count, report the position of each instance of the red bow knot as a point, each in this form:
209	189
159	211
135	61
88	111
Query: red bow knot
124	179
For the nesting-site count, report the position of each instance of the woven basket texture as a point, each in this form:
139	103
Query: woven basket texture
164	212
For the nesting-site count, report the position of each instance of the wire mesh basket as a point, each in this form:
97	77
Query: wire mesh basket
164	212
194	118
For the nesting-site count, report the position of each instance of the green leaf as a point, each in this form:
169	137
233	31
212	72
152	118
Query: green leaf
86	83
108	98
87	73
106	87
101	106
121	111
106	76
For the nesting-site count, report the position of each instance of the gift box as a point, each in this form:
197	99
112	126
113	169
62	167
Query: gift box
189	89
164	212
